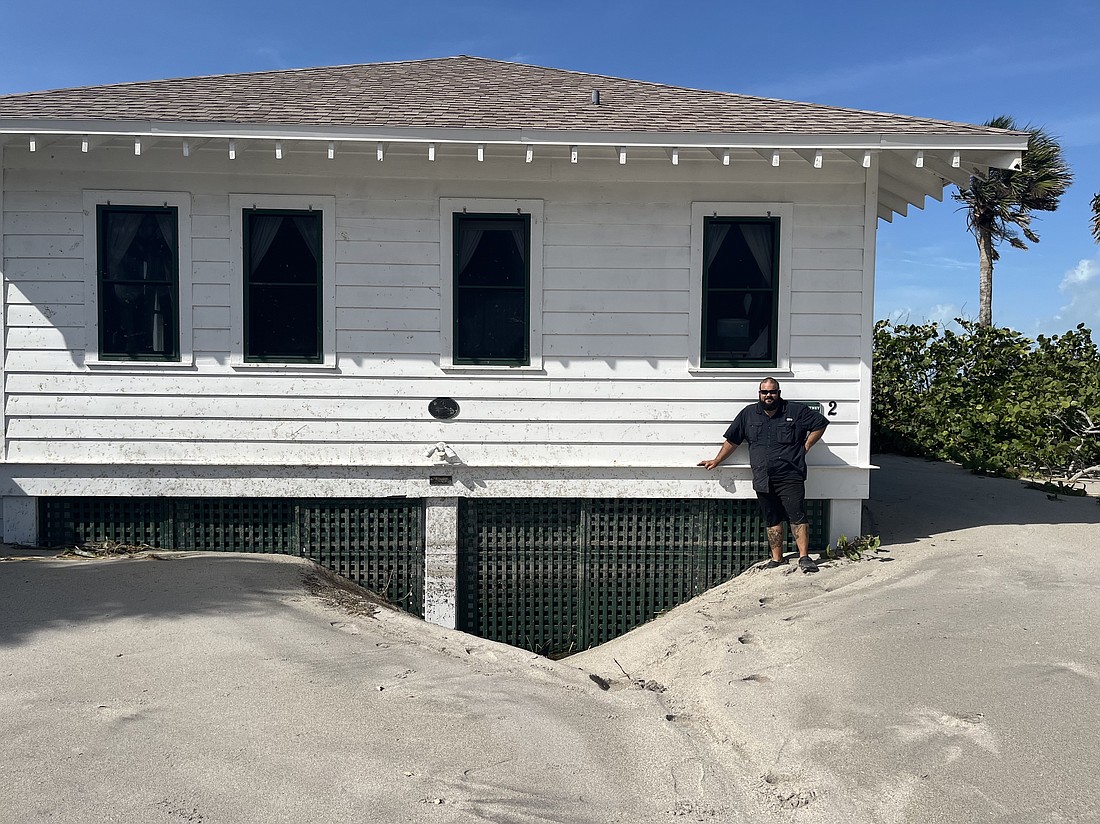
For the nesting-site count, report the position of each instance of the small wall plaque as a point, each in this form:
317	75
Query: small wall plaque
443	408
440	480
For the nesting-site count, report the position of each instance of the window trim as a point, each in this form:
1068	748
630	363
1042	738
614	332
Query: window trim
701	210
326	205
533	209
181	202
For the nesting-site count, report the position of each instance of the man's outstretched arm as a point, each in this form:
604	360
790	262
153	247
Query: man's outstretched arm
724	452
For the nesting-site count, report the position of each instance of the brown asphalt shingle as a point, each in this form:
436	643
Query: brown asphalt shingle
458	92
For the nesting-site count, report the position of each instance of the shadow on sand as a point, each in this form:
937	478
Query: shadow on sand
912	498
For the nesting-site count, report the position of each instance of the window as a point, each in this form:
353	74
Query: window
138	284
740	290
282	254
137	271
282	292
491	278
491	288
741	284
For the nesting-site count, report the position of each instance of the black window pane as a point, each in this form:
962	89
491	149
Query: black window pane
739	326
740	255
491	301
491	325
283	285
283	322
283	248
740	291
491	253
138	265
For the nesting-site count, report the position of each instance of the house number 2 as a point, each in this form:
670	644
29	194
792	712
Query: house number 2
832	409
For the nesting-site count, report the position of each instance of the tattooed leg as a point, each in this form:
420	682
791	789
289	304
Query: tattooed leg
801	538
775	541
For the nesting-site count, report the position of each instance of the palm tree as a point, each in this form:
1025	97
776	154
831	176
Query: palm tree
1096	217
1002	202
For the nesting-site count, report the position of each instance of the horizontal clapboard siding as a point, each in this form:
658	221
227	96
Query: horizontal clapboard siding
613	390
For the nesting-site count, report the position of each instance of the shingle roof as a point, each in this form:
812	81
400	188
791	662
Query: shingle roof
459	92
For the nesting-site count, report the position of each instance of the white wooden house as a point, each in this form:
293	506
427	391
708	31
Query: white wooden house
256	285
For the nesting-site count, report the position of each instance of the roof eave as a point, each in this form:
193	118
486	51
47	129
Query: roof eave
993	142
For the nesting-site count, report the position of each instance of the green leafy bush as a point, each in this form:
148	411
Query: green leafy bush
985	397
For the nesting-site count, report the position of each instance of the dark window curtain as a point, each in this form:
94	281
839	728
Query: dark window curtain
758	237
262	230
468	239
309	228
716	234
122	229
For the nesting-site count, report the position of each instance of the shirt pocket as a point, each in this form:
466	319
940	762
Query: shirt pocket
785	433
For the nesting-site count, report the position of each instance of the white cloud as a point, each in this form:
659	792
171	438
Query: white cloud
1081	288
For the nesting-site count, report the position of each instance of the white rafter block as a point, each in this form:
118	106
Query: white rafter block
431	151
673	155
866	160
918	159
573	155
815	157
530	153
32	143
89	142
480	152
232	149
380	152
137	146
278	150
331	150
770	155
956	159
725	157
622	155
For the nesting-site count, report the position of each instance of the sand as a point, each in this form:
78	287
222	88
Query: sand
953	677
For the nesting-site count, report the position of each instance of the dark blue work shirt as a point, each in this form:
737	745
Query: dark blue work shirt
777	444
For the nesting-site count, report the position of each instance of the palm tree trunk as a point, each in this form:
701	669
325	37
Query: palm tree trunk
985	277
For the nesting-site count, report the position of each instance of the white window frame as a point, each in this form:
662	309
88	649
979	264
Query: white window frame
326	204
734	209
181	201
497	206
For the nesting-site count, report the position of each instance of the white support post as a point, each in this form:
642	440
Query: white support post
441	561
21	520
845	518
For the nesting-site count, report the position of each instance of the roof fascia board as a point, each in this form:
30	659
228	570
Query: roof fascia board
987	142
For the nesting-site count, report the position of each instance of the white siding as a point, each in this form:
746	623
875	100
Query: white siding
615	390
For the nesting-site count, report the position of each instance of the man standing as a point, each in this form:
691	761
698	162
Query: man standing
779	434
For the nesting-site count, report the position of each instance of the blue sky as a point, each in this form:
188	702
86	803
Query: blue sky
965	61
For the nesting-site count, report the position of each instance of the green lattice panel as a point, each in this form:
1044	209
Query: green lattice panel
379	544
129	521
519	580
237	525
640	561
738	538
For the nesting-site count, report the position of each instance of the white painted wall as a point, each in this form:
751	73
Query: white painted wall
614	409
